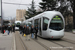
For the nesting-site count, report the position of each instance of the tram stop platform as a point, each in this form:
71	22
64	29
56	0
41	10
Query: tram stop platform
6	41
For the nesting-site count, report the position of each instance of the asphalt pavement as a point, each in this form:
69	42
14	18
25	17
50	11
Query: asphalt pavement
6	41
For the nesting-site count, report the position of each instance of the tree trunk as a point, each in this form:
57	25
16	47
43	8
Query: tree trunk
73	18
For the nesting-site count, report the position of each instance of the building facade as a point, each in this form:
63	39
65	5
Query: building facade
20	14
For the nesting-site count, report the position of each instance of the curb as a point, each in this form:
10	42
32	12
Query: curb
13	43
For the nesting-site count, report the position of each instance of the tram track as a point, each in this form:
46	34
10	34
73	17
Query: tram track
68	40
47	48
30	47
64	40
22	43
52	41
61	44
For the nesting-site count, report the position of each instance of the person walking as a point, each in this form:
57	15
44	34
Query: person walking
36	28
24	30
0	29
3	29
14	28
20	29
6	27
27	33
9	29
32	31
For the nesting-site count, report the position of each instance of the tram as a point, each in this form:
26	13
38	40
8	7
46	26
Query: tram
17	24
50	24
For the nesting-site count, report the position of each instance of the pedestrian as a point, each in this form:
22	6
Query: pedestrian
27	33
24	30
9	28
20	29
3	29
0	29
6	27
36	28
32	31
14	28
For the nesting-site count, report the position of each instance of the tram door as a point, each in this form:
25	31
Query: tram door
40	32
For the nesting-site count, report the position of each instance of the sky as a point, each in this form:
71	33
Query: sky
9	10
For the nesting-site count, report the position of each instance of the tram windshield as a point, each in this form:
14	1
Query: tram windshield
17	25
56	23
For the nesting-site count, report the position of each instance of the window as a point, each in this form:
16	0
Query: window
29	23
56	23
45	23
16	25
35	22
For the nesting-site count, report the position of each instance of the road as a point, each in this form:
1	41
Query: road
66	43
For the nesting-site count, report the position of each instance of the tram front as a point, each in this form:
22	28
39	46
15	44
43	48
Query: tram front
56	27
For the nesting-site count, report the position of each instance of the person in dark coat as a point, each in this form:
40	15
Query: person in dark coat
0	29
3	29
6	27
27	33
36	28
9	29
32	32
13	28
24	30
20	29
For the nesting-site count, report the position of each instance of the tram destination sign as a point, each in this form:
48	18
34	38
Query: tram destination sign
56	18
0	7
18	23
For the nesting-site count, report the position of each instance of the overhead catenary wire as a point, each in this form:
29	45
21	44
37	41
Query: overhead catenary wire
17	3
20	3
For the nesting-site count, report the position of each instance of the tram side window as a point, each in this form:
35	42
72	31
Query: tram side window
31	22
45	23
35	22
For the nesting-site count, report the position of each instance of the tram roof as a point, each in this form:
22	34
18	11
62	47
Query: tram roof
48	14
17	21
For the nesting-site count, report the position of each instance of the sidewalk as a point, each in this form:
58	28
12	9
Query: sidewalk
6	41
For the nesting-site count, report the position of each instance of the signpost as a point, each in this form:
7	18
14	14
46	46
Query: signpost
0	12
0	8
0	15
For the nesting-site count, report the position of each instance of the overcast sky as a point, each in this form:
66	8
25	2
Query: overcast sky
9	10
